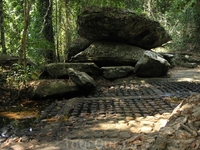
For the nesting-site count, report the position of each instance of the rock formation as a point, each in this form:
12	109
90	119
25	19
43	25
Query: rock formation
109	53
60	70
112	43
110	24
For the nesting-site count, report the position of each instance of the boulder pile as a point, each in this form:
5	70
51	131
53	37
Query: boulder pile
113	37
113	44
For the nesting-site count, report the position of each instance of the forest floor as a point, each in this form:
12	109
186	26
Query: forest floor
105	131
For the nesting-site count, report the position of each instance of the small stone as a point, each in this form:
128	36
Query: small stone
98	134
138	115
124	135
73	136
24	138
112	134
86	135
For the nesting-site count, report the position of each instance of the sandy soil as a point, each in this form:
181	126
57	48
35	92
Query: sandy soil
185	74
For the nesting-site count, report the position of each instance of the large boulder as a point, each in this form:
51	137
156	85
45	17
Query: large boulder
60	70
53	89
77	46
97	24
110	54
114	72
82	79
151	65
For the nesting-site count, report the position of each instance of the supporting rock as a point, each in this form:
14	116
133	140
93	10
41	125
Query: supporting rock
151	65
60	70
115	72
77	46
110	54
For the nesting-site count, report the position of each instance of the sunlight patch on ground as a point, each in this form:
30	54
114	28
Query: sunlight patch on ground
147	124
19	115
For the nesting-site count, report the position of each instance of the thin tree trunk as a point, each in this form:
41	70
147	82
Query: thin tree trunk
22	51
3	43
197	20
45	10
57	31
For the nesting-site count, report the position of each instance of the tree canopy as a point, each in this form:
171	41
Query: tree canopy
49	26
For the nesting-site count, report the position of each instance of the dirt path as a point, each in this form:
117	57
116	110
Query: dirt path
114	113
184	74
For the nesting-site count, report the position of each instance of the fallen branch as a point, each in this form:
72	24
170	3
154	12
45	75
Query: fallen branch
177	109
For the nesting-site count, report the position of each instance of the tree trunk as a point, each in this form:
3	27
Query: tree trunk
22	51
197	20
58	9
3	43
45	10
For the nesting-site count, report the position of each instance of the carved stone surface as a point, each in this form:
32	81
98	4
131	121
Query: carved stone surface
110	24
115	72
60	70
151	65
110	53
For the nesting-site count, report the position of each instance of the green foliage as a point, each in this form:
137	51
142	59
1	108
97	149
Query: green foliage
18	76
13	24
179	17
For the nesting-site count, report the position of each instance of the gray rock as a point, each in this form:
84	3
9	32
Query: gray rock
60	70
168	57
115	72
82	79
110	54
77	46
111	24
151	65
52	88
190	65
7	60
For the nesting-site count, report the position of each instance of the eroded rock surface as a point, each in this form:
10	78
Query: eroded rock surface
114	72
82	79
52	88
110	53
151	65
77	46
121	25
60	70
